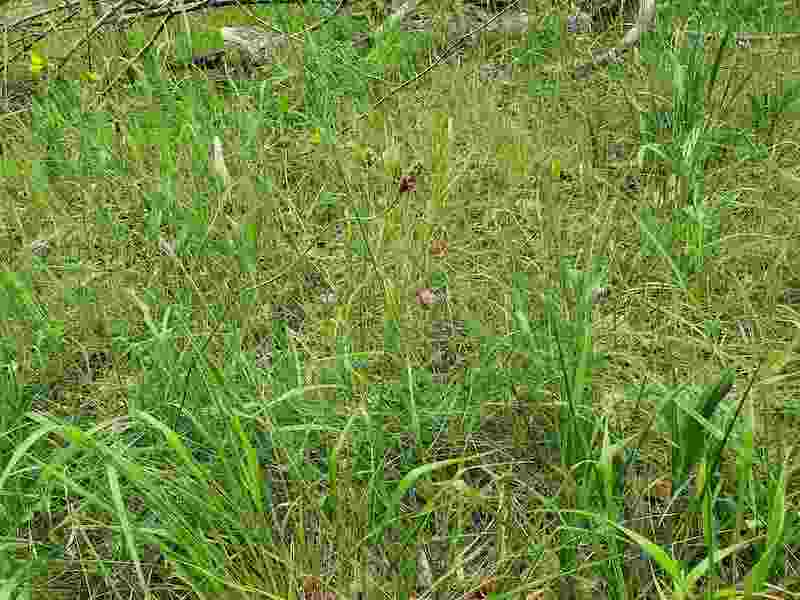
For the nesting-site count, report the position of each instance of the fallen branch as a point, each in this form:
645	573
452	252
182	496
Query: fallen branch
647	13
143	10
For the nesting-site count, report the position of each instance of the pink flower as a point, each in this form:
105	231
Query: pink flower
426	297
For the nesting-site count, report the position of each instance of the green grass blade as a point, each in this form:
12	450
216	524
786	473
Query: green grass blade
754	582
23	448
409	480
174	441
695	436
704	565
125	524
671	566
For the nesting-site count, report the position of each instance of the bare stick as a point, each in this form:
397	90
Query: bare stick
647	12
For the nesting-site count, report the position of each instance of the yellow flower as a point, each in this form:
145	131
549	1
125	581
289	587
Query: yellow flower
38	63
362	153
555	168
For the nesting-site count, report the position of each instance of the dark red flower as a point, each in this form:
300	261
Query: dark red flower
408	183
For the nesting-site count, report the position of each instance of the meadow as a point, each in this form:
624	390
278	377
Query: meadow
341	325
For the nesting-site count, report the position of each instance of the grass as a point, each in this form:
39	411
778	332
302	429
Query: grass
479	339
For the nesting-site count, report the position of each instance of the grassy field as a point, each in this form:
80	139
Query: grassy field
474	338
